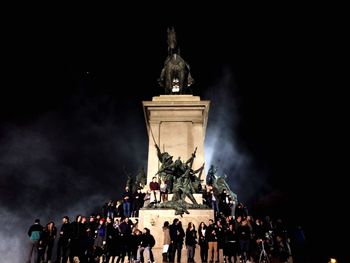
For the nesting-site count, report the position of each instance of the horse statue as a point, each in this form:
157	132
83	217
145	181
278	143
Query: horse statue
175	76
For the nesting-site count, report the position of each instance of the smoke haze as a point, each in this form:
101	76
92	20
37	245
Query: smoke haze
223	148
64	164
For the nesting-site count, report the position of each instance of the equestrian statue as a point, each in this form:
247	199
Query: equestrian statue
175	76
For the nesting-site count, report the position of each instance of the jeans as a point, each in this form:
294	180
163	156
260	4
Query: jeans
126	208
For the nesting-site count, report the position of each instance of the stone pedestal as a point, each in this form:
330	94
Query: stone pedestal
178	124
154	219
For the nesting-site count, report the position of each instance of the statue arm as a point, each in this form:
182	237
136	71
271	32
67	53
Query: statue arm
165	167
186	174
190	161
200	169
160	170
159	154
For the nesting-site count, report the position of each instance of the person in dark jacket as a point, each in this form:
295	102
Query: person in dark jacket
78	234
191	241
125	228
177	235
212	236
203	242
64	240
282	249
51	232
34	233
137	202
110	238
146	244
135	240
100	239
127	196
46	243
119	210
241	211
244	237
220	230
231	247
42	245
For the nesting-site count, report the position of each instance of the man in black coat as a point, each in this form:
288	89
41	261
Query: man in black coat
34	233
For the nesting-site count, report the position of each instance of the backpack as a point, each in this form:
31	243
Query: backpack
35	236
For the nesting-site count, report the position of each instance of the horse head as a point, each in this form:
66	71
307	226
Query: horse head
172	42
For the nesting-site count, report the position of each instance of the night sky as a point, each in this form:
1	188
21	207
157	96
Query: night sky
72	125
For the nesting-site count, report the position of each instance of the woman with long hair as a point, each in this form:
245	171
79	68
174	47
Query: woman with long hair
191	241
203	243
51	232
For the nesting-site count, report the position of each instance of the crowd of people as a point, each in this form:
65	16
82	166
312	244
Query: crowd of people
89	239
227	240
106	237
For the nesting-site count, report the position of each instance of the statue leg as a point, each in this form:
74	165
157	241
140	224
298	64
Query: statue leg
181	81
168	81
191	197
170	183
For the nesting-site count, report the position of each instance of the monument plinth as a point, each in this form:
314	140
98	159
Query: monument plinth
177	123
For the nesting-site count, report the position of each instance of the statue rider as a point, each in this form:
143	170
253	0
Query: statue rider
175	76
165	171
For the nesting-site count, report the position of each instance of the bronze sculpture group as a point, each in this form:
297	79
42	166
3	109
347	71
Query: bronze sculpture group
182	181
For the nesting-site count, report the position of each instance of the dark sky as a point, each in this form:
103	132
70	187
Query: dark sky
71	116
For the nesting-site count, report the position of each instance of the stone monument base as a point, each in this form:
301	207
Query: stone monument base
154	219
